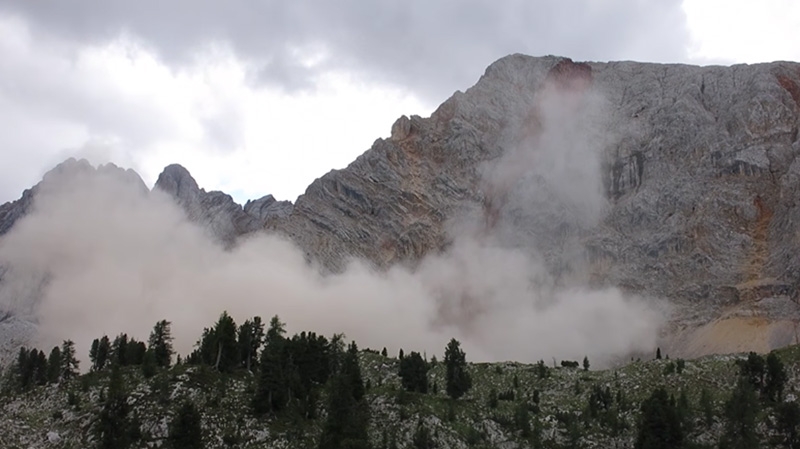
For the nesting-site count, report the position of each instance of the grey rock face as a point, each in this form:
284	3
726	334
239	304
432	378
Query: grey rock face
214	210
673	181
699	173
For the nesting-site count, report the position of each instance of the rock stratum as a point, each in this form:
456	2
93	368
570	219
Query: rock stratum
667	181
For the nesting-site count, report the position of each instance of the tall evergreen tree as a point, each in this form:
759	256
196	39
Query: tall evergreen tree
346	425
271	394
228	356
54	365
24	369
103	352
100	353
119	350
185	431
456	375
586	363
414	373
741	411
135	352
787	424
93	354
659	424
277	329
113	427
69	364
161	343
40	370
251	337
775	378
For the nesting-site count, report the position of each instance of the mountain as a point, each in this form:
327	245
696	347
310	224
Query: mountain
667	181
698	166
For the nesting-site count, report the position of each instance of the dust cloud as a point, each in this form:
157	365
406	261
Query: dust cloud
101	254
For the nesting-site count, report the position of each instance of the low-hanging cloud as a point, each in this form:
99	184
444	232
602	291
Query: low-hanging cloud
104	255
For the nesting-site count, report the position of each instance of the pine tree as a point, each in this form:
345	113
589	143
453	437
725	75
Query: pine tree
707	407
24	370
226	353
251	337
135	352
113	426
271	390
277	329
741	411
54	365
775	378
658	353
185	431
456	375
586	363
93	353
753	369
119	350
787	424
69	364
384	352
346	425
659	424
103	352
39	361
161	343
149	366
414	373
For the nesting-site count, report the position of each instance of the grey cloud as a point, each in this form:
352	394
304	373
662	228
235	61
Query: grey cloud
432	48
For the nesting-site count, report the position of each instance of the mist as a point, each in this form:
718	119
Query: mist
101	254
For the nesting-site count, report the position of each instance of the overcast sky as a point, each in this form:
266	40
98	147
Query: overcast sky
258	97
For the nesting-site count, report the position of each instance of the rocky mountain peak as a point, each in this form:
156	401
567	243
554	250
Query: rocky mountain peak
177	181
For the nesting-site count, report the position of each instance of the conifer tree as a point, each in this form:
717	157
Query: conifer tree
271	390
707	407
40	369
93	354
741	411
456	375
586	363
103	352
185	431
223	344
251	337
161	343
113	427
54	365
775	378
119	350
69	364
277	329
135	352
346	425
659	424
787	424
149	366
414	373
24	369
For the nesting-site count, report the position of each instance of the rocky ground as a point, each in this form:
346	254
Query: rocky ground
62	416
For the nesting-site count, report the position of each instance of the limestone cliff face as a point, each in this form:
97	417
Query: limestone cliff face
695	197
700	175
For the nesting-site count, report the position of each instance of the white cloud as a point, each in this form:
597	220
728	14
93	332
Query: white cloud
119	103
737	31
